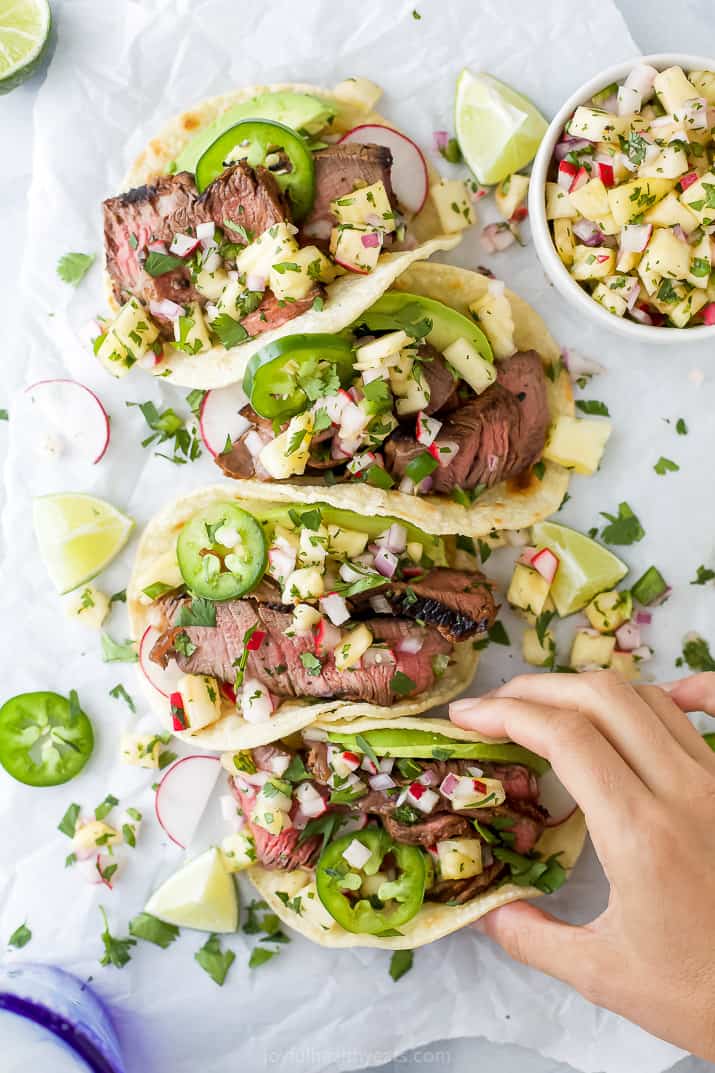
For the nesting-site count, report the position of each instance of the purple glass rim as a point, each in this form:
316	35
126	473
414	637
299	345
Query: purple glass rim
60	1027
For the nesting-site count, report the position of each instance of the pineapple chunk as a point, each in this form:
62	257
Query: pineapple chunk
493	311
202	700
359	92
593	262
460	858
558	204
610	299
627	665
450	198
89	605
191	332
674	88
591	650
271	819
528	590
353	647
93	836
578	443
141	750
288	452
128	339
595	125
666	255
364	206
305	617
277	243
510	193
413	395
466	359
212	284
650	280
591	200
670	163
682	313
701	264
529	618
700	198
415	551
238	851
671	211
534	652
347	542
381	351
631	199
293	279
355	247
312	546
564	240
704	82
628	261
609	610
304	584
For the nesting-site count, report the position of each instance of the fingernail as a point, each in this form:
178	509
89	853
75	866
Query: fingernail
668	687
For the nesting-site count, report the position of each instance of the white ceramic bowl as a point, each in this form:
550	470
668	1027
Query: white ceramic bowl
541	233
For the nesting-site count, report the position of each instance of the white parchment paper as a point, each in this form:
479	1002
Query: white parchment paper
120	69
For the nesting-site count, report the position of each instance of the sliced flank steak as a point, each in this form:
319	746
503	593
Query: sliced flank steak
339	170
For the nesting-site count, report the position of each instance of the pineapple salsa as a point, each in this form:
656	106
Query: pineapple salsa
631	197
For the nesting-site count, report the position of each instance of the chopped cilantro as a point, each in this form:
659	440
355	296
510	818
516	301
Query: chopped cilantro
73	267
20	937
665	465
402	684
213	960
118	652
116	951
68	823
696	653
229	331
704	574
592	406
680	427
152	930
120	693
400	963
158	264
624	528
201	612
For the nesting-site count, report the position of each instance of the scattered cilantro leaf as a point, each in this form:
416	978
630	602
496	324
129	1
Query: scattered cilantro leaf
116	951
624	528
213	960
542	624
259	956
68	823
696	653
665	465
152	930
680	427
117	652
229	331
105	807
400	963
20	937
498	634
73	267
592	406
158	264
703	575
119	693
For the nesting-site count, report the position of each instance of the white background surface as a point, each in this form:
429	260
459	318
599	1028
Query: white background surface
641	390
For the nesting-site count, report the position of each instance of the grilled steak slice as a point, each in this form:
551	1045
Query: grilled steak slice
247	197
459	891
278	851
528	821
237	461
500	434
152	213
317	762
340	169
457	604
430	830
442	384
272	312
278	665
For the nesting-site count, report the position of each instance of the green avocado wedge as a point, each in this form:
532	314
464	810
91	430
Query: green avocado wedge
427	745
400	310
300	111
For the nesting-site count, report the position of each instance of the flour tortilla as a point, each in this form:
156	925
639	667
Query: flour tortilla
346	298
509	505
232	731
434	920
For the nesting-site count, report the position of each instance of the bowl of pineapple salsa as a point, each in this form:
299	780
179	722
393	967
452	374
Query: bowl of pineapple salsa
622	198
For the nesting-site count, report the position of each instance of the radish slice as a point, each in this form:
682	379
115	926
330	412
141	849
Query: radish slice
75	412
554	796
164	679
409	171
183	795
219	417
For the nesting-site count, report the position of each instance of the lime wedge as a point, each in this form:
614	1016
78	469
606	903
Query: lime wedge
498	130
585	567
200	895
24	35
78	536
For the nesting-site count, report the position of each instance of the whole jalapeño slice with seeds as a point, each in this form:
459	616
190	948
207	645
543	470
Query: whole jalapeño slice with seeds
273	376
221	552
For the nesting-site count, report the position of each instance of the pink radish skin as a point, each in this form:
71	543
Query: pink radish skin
410	179
102	417
219	417
183	794
554	796
163	679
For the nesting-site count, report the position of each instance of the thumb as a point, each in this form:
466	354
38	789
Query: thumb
536	938
695	693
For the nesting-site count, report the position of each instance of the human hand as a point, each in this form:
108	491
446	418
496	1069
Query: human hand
645	780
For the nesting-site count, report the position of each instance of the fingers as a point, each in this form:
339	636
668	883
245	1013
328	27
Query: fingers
586	763
536	938
695	693
678	724
612	705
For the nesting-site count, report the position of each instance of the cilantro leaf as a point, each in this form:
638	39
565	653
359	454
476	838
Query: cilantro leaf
68	823
73	267
20	937
402	684
311	663
324	825
229	331
624	528
105	807
116	951
680	427
665	465
498	634
542	624
152	930
158	264
215	961
116	652
400	963
367	749
703	575
696	653
259	956
201	612
592	406
119	693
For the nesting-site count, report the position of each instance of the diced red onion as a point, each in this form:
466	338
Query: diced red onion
476	772
587	232
157	247
407	486
380	605
580	365
449	785
628	637
381	781
440	139
496	238
635	237
349	824
641	78
371	240
644	618
427	429
386	562
571	145
633	294
411	645
183	245
339	450
393	539
446	451
166	308
610	104
428	778
425	485
255	282
334	606
641	315
355	393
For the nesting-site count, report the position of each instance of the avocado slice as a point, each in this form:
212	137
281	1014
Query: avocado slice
373	525
297	110
428	745
401	310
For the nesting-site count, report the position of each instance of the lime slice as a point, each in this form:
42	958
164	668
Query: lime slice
24	35
498	130
585	567
78	536
200	895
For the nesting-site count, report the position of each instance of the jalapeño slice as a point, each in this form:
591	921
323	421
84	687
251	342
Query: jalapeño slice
395	902
45	739
273	376
221	552
274	146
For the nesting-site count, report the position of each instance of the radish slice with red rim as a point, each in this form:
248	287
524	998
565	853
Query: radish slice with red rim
410	179
183	794
73	412
219	417
164	679
554	796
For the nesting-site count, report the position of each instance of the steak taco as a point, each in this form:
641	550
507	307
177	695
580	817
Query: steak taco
361	834
435	408
263	211
256	617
